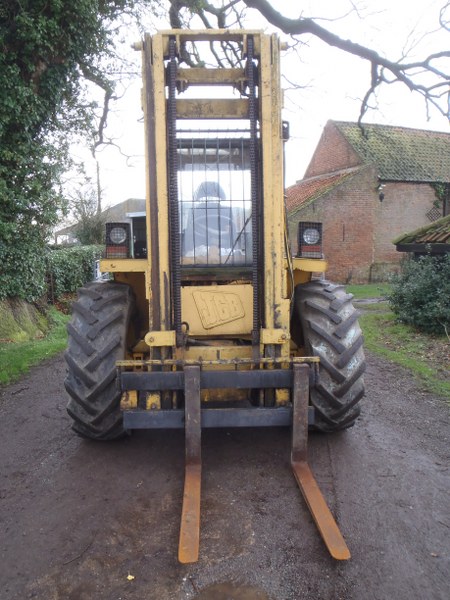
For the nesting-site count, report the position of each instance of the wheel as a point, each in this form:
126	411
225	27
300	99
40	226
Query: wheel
330	330
97	337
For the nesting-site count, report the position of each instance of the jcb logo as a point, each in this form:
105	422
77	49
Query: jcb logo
217	308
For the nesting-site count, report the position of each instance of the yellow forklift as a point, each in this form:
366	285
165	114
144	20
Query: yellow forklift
207	319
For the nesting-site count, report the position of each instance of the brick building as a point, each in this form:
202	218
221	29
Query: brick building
367	188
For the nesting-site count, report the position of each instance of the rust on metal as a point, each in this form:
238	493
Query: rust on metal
320	512
237	362
188	549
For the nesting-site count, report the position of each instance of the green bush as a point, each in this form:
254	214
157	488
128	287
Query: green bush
421	294
70	268
22	265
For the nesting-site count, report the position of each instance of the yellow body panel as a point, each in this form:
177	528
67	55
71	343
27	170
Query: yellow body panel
123	265
153	401
303	269
129	400
274	336
310	265
219	353
160	338
217	310
199	76
212	109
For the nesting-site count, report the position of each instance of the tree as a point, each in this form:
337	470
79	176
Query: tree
429	76
51	50
90	222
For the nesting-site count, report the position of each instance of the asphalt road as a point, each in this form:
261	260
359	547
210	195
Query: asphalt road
85	521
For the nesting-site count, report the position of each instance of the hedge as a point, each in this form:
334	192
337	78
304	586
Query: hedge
70	268
22	267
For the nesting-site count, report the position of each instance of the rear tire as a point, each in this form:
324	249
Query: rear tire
97	337
330	330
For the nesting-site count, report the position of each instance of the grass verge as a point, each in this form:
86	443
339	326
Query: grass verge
369	290
426	356
17	358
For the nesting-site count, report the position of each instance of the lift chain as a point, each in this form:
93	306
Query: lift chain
256	222
174	218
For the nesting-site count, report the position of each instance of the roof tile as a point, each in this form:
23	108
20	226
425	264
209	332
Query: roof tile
436	233
307	190
400	153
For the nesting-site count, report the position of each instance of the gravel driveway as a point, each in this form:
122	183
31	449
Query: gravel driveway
87	521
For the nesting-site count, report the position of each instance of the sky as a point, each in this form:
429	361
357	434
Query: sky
331	84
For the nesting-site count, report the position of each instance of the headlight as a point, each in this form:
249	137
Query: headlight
118	240
118	235
311	236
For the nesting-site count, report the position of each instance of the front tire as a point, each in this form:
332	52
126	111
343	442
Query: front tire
330	330
97	337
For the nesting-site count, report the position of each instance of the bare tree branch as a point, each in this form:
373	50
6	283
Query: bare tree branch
402	72
444	16
382	70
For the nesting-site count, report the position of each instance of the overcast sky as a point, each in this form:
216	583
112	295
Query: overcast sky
331	82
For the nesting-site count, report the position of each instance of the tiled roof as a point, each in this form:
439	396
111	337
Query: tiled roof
401	154
307	190
435	233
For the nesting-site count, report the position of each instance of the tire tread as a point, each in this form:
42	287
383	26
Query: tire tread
331	331
97	337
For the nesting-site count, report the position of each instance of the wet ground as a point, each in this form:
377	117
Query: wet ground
84	521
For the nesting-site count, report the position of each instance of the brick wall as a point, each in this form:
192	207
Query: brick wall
333	153
404	208
348	216
358	229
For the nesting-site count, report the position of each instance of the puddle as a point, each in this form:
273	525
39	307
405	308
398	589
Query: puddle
231	591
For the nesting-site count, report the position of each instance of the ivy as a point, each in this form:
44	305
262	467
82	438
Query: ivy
48	50
23	264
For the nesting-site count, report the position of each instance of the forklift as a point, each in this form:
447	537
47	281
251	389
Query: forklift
210	317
